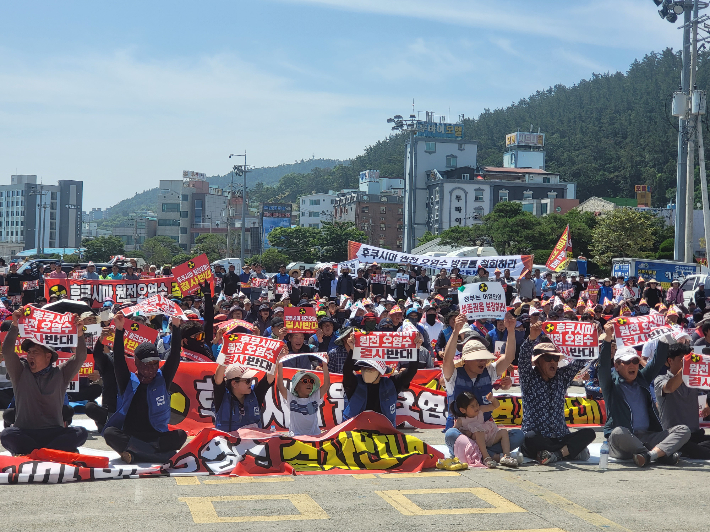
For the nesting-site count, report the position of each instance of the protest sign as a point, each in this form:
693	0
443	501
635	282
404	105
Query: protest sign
307	281
378	279
3	290
30	285
577	340
230	325
498	348
256	352
73	385
402	278
283	289
257	282
191	274
300	320
385	346
456	282
98	291
48	328
696	371
482	301
631	331
193	356
156	305
134	334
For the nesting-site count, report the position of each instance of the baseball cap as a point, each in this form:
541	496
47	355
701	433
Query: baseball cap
626	353
380	366
235	371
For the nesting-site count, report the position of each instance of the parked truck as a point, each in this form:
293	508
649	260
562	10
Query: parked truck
664	271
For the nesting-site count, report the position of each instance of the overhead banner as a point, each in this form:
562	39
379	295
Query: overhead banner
300	320
631	331
696	371
100	291
577	340
482	301
48	328
467	265
191	274
561	254
255	352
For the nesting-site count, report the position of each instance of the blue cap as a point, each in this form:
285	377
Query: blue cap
108	304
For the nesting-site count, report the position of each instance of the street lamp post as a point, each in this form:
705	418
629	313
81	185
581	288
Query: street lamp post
407	124
242	171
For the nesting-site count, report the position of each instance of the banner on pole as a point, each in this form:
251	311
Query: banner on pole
561	254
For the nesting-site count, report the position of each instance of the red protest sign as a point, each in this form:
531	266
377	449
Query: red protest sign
631	331
230	325
256	352
257	282
307	281
300	320
385	346
134	334
30	285
283	289
156	305
48	328
18	343
696	371
575	339
189	275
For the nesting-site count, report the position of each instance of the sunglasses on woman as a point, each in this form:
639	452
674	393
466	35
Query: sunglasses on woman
549	358
307	380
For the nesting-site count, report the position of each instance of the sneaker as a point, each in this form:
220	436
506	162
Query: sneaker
583	455
519	457
546	457
451	464
490	463
509	461
642	459
670	459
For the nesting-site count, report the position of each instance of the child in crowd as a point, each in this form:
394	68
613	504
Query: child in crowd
469	420
303	399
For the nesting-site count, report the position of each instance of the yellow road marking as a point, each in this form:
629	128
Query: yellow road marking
565	504
407	475
240	480
527	530
398	499
203	511
365	476
187	481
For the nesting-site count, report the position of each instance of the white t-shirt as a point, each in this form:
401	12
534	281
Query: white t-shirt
303	414
432	330
451	383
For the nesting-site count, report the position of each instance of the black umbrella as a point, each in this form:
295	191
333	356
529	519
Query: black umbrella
68	305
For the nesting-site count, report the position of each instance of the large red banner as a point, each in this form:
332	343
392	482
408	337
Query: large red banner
100	291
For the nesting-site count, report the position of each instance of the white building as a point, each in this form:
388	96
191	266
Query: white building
316	208
436	145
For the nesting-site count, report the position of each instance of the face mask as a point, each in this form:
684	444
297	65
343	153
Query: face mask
369	325
413	318
431	319
146	372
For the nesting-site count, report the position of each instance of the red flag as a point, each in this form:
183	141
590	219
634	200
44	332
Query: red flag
561	255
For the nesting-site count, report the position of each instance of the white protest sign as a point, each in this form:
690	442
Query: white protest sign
482	301
48	328
385	346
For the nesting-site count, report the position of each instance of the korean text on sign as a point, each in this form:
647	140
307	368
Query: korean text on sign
576	340
385	346
250	351
696	371
134	334
635	330
482	301
48	328
300	319
191	274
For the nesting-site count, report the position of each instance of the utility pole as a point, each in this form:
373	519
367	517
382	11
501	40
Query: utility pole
682	165
242	171
692	124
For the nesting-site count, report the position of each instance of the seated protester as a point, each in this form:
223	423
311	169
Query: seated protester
424	356
544	385
371	390
413	315
431	323
386	325
40	394
296	343
475	373
678	404
236	313
591	385
704	340
196	336
324	338
237	402
303	399
103	363
138	430
632	427
338	355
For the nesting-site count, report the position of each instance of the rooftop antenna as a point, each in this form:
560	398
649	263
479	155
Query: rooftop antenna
412	105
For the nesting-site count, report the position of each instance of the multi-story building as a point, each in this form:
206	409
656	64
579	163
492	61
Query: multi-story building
169	196
41	216
380	216
436	144
136	229
315	209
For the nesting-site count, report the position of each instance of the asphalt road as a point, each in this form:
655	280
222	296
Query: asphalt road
563	497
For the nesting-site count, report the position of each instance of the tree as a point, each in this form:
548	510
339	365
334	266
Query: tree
622	233
160	250
213	245
180	258
298	243
270	259
71	258
333	240
102	248
428	236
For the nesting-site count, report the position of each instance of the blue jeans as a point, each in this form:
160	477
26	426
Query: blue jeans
516	437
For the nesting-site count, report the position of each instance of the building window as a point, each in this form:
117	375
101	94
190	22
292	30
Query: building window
314	214
545	179
198	211
383	227
184	214
332	201
185	197
365	209
451	161
503	195
478	213
465	177
527	195
53	196
529	207
303	202
168	223
183	230
171	207
543	208
478	194
314	202
382	241
430	147
383	210
313	225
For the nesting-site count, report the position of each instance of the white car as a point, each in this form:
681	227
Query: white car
690	286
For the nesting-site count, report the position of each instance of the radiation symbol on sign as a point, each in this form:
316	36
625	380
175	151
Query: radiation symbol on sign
58	290
83	328
695	358
302	311
483	287
190	264
550	327
134	326
28	311
622	321
233	337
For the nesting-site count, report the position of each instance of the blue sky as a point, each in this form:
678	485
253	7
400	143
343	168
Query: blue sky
122	94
